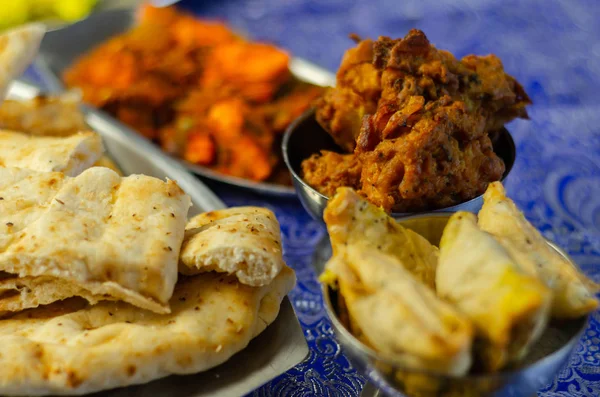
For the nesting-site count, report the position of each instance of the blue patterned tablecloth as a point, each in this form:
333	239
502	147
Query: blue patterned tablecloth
552	47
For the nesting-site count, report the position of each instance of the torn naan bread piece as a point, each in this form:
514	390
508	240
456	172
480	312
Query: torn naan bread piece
244	241
70	155
116	238
44	115
72	348
509	307
573	292
20	293
18	48
107	162
351	219
397	314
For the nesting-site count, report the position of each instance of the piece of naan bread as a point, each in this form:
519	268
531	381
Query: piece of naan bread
70	155
351	219
107	162
18	48
573	292
397	314
73	348
19	293
116	238
244	241
45	115
509	307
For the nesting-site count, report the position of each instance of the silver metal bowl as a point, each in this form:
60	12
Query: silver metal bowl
545	360
305	137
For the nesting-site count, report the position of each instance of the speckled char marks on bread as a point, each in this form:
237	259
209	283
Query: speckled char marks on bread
116	238
244	241
71	348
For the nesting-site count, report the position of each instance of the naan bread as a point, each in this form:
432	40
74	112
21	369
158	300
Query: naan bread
72	348
397	314
509	307
44	115
24	196
351	219
573	292
244	241
70	155
19	293
18	47
105	161
117	238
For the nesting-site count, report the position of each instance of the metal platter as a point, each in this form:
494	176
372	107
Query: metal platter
61	47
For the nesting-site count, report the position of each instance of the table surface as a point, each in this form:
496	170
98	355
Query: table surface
551	47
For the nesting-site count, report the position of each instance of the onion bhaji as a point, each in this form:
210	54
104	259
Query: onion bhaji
416	122
200	91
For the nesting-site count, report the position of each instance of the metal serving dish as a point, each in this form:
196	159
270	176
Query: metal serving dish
543	363
280	347
60	48
305	137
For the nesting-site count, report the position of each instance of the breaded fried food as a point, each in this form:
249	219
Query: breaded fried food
352	220
573	291
399	316
419	121
509	307
331	171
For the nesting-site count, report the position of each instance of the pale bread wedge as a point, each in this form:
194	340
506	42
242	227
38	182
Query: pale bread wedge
244	241
70	155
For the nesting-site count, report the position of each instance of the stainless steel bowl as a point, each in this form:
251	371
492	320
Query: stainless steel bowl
545	360
305	137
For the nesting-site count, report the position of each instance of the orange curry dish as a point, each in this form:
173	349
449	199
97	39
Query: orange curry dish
415	123
200	91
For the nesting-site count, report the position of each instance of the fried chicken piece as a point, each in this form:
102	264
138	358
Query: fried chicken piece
426	144
329	171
